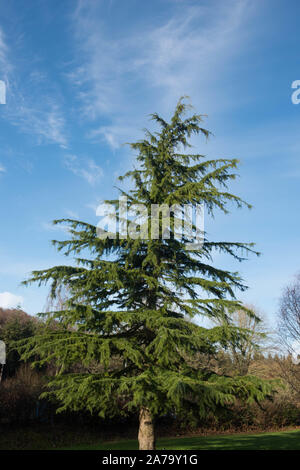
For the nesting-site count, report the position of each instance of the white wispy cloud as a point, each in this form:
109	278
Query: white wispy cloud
30	106
72	214
2	47
50	227
2	169
46	124
6	66
9	300
85	168
126	77
115	134
93	205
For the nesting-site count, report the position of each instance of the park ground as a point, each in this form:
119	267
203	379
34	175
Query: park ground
40	439
286	440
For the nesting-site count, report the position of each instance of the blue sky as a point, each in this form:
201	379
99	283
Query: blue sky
82	77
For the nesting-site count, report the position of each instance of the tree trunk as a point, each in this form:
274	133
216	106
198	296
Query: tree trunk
146	430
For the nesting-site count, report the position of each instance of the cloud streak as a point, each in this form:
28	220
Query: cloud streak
33	110
86	169
123	78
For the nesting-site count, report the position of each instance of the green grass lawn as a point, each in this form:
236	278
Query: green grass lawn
285	440
60	437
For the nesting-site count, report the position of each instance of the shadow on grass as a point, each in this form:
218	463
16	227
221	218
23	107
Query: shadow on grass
287	440
63	438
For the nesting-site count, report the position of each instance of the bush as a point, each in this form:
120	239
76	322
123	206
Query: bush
19	396
15	325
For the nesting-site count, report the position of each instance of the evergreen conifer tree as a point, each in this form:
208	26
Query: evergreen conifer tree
132	299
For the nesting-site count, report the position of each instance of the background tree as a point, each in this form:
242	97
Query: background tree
130	297
289	334
14	325
289	318
59	301
253	338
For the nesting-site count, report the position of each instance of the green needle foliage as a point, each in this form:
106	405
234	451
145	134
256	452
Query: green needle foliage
128	316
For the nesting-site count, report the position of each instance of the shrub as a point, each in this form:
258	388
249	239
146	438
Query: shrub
19	396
